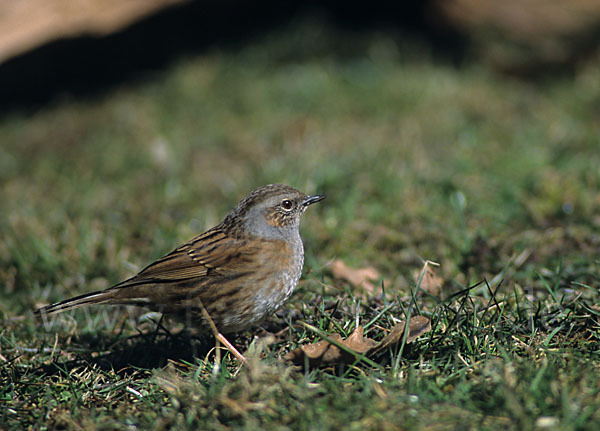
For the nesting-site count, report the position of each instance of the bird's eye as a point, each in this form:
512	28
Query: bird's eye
287	204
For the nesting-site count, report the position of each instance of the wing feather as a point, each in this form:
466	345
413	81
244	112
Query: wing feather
201	257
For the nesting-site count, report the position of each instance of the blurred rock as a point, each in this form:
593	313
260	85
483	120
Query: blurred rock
26	24
526	36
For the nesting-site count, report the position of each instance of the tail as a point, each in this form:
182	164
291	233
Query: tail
99	297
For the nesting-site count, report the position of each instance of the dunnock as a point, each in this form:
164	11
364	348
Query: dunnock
238	272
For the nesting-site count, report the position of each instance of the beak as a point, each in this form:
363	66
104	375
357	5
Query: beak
312	199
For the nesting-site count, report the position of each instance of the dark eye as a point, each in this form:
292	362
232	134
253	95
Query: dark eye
287	204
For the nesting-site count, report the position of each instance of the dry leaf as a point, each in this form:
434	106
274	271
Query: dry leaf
430	281
363	277
418	325
326	353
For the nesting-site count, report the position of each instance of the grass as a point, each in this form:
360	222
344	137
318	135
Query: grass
495	179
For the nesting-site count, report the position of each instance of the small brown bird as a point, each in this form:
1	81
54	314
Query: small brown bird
238	272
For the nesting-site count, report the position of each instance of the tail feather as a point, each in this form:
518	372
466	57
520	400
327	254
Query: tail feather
99	297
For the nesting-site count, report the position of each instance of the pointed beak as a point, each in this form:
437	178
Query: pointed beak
312	199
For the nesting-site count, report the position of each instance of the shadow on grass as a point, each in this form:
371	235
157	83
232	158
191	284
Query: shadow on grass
124	355
150	348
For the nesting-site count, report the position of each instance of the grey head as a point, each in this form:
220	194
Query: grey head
272	211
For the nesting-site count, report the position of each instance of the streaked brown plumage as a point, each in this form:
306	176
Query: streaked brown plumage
241	270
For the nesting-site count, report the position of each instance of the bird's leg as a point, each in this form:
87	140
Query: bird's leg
235	352
220	337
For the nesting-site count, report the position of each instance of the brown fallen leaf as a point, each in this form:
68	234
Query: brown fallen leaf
363	277
430	281
418	326
326	353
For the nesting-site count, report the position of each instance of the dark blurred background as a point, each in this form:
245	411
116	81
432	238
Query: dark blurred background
51	49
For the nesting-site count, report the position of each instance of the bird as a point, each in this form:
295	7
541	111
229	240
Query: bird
228	278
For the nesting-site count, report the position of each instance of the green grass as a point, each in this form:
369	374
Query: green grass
495	179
